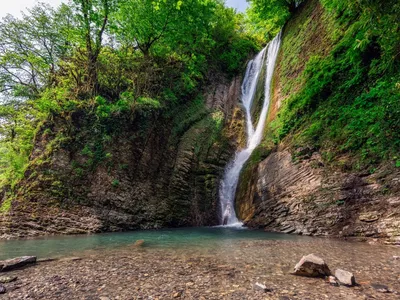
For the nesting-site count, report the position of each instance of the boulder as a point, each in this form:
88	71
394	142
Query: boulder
311	266
15	263
345	277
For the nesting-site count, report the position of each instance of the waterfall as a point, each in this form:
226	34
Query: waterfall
230	180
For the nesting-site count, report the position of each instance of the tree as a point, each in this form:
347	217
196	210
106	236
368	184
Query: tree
266	17
92	18
173	24
30	49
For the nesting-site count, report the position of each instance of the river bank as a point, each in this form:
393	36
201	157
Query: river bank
227	269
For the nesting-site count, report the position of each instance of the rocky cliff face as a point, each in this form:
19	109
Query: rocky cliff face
153	170
289	187
296	193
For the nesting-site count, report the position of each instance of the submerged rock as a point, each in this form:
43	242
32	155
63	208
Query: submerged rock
345	277
7	279
138	243
15	263
311	266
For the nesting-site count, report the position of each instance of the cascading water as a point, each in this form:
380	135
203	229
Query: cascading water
230	180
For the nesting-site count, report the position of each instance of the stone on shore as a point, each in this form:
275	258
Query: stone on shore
261	287
15	263
332	281
311	266
7	279
381	288
345	277
2	289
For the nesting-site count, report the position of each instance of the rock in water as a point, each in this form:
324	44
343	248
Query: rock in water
345	277
138	243
15	263
2	289
311	266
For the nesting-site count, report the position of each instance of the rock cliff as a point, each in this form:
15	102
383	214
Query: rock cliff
154	170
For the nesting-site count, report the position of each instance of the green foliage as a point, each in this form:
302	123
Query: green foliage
55	64
350	99
265	18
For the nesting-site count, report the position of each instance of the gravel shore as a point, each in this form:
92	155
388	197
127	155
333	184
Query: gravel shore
228	271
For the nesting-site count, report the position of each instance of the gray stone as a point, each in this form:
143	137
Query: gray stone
2	289
18	262
381	288
345	278
311	266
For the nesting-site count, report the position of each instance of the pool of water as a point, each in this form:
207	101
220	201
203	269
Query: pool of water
210	237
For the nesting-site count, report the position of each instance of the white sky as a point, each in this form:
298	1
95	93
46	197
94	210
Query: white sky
14	7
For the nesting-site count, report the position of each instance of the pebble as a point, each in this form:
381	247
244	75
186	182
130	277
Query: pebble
262	287
332	281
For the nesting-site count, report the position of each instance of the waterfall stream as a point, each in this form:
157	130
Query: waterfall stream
230	180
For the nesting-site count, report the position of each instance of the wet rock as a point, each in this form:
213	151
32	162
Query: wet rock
311	266
345	278
381	288
261	287
2	289
18	262
7	279
332	281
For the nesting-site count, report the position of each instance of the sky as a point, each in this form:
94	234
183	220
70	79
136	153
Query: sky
14	7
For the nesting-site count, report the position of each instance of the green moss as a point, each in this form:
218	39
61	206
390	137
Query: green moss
6	205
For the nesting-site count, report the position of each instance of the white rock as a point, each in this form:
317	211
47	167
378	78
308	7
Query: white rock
345	277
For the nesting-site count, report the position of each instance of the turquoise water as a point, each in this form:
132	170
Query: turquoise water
166	238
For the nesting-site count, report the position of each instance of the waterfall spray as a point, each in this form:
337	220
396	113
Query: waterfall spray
230	180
